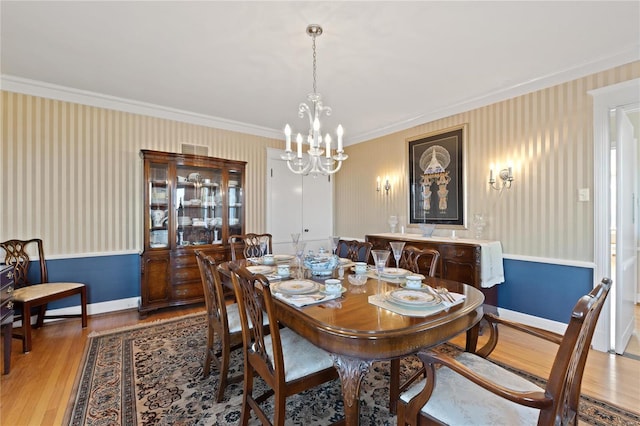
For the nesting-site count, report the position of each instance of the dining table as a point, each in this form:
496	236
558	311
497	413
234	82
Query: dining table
359	326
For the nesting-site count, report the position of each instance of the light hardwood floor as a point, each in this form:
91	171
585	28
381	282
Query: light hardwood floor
38	389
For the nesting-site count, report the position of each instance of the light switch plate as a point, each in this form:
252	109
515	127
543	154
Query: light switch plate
583	194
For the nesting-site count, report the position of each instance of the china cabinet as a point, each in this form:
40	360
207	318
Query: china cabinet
190	202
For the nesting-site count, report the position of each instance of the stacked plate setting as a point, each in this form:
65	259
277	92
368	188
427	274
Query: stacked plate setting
184	221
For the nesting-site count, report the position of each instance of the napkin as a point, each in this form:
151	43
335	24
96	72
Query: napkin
301	300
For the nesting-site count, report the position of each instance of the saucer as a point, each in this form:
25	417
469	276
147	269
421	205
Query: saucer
423	286
322	290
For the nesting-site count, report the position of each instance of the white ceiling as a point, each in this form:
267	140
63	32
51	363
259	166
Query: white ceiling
382	66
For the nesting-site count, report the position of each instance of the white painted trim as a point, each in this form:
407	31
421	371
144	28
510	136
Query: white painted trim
68	94
533	321
605	99
539	83
98	308
562	262
95	254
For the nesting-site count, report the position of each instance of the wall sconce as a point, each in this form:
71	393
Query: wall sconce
386	187
506	175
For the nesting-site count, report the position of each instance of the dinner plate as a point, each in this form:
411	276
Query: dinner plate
393	272
282	257
259	269
413	298
296	287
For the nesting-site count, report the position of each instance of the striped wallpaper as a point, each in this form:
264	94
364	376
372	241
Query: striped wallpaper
547	135
72	174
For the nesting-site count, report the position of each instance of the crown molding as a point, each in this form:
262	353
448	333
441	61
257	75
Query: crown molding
68	94
629	55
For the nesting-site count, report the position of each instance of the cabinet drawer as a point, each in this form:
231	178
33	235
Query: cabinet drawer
6	292
6	312
459	253
6	276
188	290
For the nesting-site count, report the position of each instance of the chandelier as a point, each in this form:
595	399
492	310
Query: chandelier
319	159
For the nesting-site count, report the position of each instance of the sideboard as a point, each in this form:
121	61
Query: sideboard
459	260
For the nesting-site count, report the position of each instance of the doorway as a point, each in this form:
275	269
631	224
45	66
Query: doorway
625	96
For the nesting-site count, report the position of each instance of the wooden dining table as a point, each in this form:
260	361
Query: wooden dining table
356	333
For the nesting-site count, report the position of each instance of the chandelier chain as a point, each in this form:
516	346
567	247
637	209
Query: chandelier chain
315	75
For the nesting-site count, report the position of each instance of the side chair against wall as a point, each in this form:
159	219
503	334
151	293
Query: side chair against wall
223	321
470	389
358	251
249	245
27	295
415	260
286	361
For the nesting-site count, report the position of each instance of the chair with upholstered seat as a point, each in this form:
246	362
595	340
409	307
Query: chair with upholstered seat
470	389
420	261
357	251
286	361
28	295
250	245
223	321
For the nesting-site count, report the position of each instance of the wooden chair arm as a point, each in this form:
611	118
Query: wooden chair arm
534	331
530	399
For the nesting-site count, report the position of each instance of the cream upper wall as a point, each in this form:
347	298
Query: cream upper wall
548	135
72	174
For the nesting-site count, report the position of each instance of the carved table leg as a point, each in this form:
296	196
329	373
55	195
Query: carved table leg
351	371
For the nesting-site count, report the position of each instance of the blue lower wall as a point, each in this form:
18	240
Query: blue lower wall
107	277
540	289
543	290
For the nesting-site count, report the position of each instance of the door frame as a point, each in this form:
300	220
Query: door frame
604	100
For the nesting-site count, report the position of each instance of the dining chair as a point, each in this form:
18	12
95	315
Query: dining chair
357	251
470	389
420	261
287	362
250	245
223	321
37	294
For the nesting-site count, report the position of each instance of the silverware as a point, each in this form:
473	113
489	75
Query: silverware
445	293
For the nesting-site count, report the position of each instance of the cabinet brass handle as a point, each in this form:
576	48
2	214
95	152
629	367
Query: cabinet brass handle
10	275
10	305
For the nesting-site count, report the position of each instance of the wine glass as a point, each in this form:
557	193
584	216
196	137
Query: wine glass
334	243
300	245
393	221
397	247
295	237
380	259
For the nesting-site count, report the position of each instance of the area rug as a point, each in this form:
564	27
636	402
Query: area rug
152	375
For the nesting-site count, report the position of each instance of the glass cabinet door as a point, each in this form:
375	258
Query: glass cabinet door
198	204
159	200
235	202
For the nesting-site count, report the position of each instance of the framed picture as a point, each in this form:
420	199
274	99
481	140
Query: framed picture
437	178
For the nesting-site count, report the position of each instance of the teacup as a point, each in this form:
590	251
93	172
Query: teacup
332	285
283	270
361	267
414	281
268	259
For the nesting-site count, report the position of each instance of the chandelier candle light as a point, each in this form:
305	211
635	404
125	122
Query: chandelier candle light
316	163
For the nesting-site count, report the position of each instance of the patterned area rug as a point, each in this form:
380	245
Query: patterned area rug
152	375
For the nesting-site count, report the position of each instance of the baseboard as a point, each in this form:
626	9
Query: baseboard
98	308
533	321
